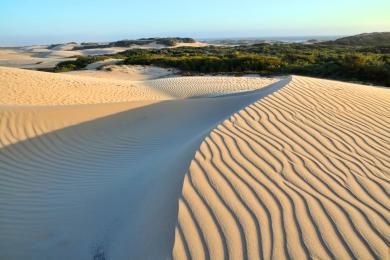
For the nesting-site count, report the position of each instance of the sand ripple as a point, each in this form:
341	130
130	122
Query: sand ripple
86	181
301	174
93	168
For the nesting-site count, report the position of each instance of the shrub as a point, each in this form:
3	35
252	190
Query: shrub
80	63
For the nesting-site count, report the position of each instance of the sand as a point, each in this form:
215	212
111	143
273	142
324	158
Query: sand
43	57
25	87
33	58
47	57
191	44
84	159
301	174
123	72
192	168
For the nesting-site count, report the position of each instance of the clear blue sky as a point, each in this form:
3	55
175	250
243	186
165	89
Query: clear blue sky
49	21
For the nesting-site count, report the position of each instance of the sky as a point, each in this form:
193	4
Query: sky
24	22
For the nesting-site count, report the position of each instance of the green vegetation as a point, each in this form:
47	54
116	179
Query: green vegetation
369	64
210	63
173	41
52	46
364	39
127	43
80	63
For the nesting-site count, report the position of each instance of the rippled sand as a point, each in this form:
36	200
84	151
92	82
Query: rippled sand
192	168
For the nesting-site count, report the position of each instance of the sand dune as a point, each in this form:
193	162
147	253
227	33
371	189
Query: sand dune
80	182
301	174
48	56
167	81
38	57
96	65
20	58
192	168
194	44
124	72
23	87
186	87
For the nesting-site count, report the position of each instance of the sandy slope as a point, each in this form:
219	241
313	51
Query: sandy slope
79	182
124	72
37	57
301	174
65	170
46	56
32	58
24	87
186	87
194	44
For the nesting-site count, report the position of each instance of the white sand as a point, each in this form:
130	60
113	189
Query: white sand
301	173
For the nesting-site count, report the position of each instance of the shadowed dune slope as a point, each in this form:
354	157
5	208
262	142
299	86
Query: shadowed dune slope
100	181
299	170
302	174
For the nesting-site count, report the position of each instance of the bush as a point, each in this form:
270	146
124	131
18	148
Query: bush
356	63
78	64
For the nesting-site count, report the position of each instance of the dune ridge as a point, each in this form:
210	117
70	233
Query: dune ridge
303	173
101	180
24	87
192	168
210	86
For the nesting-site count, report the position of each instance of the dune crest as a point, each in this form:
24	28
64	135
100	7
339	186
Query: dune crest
87	181
303	173
24	87
192	168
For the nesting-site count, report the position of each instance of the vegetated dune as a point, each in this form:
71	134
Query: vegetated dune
98	64
303	173
38	57
48	56
100	181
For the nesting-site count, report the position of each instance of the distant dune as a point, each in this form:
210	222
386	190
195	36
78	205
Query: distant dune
365	39
137	166
48	56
